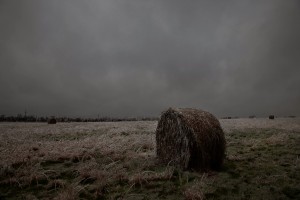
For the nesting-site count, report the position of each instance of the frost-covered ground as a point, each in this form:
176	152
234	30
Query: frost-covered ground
117	160
261	123
17	139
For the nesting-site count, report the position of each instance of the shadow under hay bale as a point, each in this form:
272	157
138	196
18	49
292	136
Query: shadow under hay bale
271	117
52	120
190	139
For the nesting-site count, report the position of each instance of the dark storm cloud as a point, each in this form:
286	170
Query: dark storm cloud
128	58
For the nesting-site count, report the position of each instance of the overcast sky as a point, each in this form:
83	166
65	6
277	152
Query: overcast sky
139	57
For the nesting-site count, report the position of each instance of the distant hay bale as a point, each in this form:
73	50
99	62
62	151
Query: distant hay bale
190	139
271	117
52	120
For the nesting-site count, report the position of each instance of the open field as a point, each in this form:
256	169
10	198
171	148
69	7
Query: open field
116	160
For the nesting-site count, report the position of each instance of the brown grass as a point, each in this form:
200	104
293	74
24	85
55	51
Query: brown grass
118	161
195	191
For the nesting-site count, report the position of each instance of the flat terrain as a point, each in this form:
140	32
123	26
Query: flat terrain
116	160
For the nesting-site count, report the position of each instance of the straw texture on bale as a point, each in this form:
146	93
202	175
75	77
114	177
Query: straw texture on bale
190	139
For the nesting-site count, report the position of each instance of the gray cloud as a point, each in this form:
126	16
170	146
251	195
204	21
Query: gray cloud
129	58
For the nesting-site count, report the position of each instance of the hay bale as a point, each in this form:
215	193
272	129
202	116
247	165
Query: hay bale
190	139
52	120
271	117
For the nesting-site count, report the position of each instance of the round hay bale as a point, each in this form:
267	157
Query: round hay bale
271	117
52	120
190	139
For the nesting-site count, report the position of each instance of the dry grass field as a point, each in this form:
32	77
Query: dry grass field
116	160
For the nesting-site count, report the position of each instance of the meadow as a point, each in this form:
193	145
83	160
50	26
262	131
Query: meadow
117	160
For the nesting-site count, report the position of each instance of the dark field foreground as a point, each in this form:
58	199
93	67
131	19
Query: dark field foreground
117	161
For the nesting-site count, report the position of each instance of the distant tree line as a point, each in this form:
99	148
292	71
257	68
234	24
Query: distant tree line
31	118
253	116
